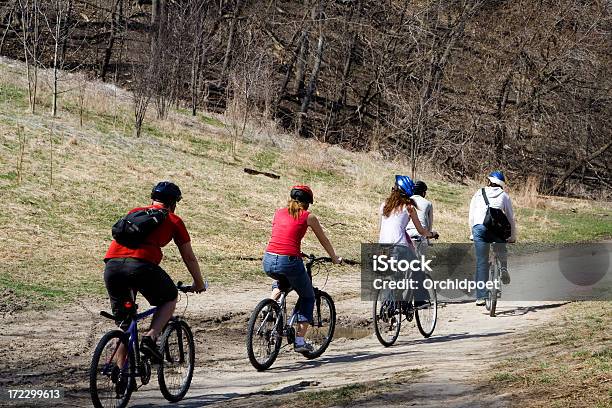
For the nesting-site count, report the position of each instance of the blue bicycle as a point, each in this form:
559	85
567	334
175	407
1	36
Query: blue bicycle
117	361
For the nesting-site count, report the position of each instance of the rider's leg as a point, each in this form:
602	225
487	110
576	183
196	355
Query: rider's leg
159	290
118	288
161	316
302	328
276	292
501	251
481	247
298	278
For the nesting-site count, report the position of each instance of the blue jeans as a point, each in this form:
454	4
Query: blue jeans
290	271
482	239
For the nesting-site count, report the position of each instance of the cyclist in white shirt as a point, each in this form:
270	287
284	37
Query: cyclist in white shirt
424	209
482	237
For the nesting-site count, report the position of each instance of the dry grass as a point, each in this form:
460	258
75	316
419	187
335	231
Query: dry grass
567	363
55	236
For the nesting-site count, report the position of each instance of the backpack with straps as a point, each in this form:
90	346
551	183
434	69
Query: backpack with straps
496	221
132	230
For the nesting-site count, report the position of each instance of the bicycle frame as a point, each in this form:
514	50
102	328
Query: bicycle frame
133	335
282	323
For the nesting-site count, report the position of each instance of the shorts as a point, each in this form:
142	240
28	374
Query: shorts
122	275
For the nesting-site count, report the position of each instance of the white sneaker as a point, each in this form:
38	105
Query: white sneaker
480	302
303	348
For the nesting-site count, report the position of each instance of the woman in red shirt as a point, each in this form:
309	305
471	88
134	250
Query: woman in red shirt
283	258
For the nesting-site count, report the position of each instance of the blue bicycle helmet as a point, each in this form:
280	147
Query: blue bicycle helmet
166	192
405	185
497	177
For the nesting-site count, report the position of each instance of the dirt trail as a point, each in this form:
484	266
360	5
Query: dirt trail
53	348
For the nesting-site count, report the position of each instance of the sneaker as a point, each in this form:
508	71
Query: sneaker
149	348
480	302
505	276
303	348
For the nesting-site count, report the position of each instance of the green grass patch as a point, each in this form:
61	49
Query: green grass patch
322	175
13	95
11	176
202	145
40	294
265	159
505	377
208	120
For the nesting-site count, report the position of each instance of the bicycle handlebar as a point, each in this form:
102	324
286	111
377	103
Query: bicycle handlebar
184	288
312	259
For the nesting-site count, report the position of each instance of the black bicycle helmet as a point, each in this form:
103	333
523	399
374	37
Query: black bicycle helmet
420	187
166	192
302	193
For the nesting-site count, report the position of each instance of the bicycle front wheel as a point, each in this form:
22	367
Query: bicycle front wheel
110	379
264	335
176	369
387	316
320	334
491	300
426	312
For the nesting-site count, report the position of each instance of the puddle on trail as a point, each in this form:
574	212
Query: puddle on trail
351	333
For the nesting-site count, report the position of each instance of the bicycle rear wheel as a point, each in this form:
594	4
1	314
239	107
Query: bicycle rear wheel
320	334
427	313
264	334
110	381
387	316
176	370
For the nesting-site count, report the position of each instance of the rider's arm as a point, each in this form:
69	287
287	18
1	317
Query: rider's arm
417	224
314	224
471	214
507	203
192	266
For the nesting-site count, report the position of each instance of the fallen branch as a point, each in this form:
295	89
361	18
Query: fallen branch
577	165
265	173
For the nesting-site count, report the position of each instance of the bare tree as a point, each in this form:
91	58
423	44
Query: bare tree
59	31
30	39
141	96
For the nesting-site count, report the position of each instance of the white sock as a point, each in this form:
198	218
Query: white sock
299	341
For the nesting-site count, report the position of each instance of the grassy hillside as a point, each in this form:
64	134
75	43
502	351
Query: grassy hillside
76	181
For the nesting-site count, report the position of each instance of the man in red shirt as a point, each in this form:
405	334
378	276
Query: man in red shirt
138	268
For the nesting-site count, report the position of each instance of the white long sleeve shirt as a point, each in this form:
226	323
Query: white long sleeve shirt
424	210
498	198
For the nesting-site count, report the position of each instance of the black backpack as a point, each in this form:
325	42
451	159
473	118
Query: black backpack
496	221
132	230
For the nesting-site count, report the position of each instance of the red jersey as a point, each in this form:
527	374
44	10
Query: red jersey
287	233
171	229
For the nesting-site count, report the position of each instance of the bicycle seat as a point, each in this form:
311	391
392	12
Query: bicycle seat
282	282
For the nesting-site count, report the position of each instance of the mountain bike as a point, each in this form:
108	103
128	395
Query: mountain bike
269	323
111	382
391	307
495	279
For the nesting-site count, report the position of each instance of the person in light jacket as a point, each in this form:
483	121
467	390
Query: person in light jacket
482	237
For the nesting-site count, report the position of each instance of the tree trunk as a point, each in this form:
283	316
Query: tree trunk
312	83
301	63
230	40
58	31
111	40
